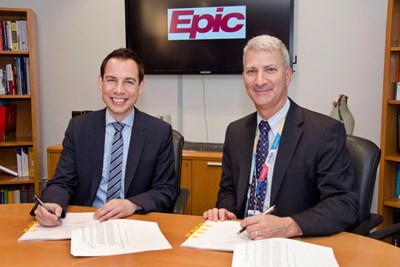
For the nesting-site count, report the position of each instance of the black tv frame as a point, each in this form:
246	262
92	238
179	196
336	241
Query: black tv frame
146	49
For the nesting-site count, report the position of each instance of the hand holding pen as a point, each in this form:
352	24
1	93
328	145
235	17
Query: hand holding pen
41	203
268	211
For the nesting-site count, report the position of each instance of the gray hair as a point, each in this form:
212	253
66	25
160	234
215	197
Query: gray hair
268	43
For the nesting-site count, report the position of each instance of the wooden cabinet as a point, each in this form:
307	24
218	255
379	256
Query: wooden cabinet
27	117
390	108
201	174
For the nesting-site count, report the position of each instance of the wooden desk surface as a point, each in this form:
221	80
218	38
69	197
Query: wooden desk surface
349	249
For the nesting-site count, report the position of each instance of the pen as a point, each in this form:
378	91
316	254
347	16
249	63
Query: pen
41	203
268	211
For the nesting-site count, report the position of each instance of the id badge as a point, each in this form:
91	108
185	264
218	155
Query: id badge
253	212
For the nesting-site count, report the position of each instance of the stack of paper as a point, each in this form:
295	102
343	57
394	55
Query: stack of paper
282	252
221	236
117	237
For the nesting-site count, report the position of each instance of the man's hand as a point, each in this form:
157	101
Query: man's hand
115	209
266	226
45	218
218	214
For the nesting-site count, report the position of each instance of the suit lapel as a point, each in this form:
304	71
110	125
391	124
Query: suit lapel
97	135
138	138
246	150
290	137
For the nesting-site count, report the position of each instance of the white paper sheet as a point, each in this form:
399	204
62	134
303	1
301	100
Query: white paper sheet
282	252
219	235
117	237
72	220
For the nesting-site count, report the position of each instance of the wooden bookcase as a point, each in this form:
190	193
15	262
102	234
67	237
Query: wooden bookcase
28	120
390	158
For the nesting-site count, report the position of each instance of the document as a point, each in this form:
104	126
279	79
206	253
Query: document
115	237
222	236
278	252
72	220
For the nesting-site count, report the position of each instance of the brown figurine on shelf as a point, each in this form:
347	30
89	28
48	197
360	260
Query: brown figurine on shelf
342	113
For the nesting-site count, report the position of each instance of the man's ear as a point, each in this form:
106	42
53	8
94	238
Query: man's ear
99	82
141	87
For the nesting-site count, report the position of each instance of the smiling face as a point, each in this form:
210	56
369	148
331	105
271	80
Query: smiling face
266	78
120	87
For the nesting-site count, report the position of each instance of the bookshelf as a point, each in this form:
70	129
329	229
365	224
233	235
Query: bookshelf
390	157
27	119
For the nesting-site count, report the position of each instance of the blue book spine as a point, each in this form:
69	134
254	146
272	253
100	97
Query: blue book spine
398	181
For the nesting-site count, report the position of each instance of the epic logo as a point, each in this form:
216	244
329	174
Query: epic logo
207	23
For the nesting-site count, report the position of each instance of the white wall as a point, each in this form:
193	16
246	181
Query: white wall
339	46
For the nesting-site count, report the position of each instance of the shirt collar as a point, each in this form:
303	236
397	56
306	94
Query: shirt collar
127	121
275	121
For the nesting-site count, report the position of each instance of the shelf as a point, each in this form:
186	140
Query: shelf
394	158
393	202
14	97
18	142
12	180
14	53
394	102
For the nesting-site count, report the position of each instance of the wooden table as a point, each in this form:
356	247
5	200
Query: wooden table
349	249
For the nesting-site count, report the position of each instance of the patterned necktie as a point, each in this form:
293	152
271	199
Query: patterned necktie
256	201
115	174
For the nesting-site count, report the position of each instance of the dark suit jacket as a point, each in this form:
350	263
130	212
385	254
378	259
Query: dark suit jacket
150	179
312	181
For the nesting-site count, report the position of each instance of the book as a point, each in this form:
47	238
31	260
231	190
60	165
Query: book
221	236
14	38
17	196
8	122
8	35
7	170
3	90
24	161
398	131
18	152
31	162
10	80
23	194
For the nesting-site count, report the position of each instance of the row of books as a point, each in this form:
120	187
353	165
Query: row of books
17	194
25	163
14	78
13	35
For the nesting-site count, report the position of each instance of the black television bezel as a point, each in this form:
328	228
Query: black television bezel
129	44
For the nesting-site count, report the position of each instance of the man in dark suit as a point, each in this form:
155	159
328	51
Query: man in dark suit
148	181
306	172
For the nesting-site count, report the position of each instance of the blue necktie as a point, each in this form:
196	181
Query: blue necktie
115	174
256	201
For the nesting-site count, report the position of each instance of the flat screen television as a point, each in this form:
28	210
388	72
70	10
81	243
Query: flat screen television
202	36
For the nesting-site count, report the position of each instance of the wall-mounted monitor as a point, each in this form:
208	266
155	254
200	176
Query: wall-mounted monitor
202	36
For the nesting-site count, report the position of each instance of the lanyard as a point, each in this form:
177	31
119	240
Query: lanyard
271	153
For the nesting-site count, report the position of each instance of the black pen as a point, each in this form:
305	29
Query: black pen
41	203
268	211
